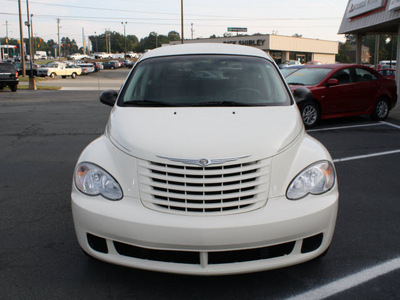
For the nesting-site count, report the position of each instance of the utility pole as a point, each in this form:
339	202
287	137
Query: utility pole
34	40
109	41
21	44
106	34
84	40
8	54
59	44
182	22
95	38
192	30
124	24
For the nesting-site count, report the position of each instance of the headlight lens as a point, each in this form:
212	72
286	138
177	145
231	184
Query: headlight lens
93	180
315	179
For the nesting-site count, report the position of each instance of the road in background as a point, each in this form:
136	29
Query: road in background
103	80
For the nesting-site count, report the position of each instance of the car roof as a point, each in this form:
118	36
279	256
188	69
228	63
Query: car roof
204	48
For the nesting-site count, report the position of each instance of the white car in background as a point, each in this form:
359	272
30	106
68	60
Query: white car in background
131	54
102	55
77	56
205	168
86	68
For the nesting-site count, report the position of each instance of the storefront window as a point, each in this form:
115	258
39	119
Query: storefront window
277	56
300	56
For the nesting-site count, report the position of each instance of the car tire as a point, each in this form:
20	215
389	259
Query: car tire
14	88
53	75
112	68
381	110
73	75
310	114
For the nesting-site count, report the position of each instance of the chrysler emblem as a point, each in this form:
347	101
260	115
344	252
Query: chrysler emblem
204	162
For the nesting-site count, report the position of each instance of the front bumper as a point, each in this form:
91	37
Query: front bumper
282	233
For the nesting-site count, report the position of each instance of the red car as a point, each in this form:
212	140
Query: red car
341	90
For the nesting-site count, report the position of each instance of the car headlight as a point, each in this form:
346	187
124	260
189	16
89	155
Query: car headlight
315	179
93	181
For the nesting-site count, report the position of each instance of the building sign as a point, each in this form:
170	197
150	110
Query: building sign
360	7
394	4
255	43
237	29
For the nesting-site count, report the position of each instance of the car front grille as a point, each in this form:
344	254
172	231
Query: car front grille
212	190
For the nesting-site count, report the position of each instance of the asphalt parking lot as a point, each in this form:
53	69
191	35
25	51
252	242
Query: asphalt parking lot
41	136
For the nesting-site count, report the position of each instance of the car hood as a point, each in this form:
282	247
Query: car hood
210	132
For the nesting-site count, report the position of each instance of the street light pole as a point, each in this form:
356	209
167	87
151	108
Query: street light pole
95	38
124	24
21	44
32	83
34	41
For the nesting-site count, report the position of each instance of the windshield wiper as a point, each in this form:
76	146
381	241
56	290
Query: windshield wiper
295	83
153	103
221	103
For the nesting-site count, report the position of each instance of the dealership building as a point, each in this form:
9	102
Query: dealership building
373	17
282	48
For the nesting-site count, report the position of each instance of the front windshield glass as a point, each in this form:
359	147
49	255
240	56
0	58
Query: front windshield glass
307	76
204	80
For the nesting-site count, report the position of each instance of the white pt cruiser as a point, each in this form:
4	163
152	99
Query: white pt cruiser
205	168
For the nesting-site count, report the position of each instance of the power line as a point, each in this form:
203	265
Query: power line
225	18
100	18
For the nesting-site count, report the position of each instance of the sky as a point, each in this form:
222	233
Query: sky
317	19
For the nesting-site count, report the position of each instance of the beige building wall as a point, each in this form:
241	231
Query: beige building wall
298	44
324	58
323	51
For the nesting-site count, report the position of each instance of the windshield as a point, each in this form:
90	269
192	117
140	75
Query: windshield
307	76
204	80
7	68
287	71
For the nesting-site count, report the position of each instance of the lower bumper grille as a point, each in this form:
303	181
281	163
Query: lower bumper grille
186	257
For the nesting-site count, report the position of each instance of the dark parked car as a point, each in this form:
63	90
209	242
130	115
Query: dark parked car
18	66
342	90
128	63
8	76
111	65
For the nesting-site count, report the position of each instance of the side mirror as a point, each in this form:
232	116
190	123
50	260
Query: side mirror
302	94
108	97
332	81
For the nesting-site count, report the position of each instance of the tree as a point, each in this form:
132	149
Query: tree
387	45
154	40
173	36
68	46
115	39
344	50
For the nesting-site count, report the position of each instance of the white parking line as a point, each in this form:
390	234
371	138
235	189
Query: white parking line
350	281
366	156
347	127
390	124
